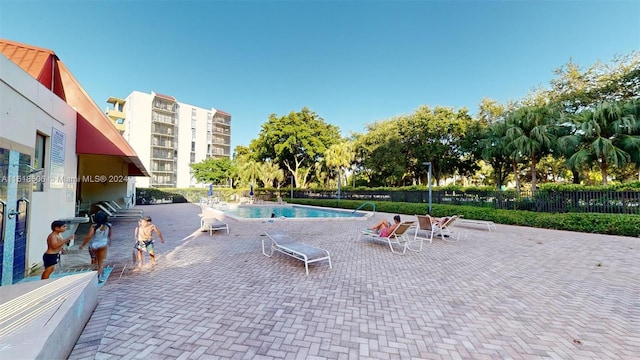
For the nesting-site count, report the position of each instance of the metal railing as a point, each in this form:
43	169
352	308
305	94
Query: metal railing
587	201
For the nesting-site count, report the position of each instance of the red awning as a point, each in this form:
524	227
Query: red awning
95	134
90	140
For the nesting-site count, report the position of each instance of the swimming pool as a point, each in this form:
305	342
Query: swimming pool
288	211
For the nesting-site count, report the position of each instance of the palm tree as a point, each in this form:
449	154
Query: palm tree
494	151
567	145
271	172
531	132
607	135
339	156
251	170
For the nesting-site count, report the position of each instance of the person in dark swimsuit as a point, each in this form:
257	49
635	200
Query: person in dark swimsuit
55	242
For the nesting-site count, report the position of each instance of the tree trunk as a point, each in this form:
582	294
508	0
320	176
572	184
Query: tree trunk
497	175
533	174
603	170
576	176
516	176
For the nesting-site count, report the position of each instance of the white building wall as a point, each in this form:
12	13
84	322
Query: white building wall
138	130
138	108
184	178
184	145
28	108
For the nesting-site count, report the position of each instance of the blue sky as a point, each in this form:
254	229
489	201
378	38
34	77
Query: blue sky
352	62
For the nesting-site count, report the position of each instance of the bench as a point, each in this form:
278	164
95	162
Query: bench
489	224
285	244
43	319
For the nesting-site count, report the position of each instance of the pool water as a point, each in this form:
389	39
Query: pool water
261	212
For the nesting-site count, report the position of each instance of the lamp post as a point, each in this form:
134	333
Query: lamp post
291	186
428	163
338	186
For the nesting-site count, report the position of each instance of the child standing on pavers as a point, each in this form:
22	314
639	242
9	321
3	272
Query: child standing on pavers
55	242
144	239
98	238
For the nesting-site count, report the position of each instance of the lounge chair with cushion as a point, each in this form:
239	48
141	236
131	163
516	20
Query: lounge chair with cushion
287	245
397	237
212	224
426	224
489	224
446	229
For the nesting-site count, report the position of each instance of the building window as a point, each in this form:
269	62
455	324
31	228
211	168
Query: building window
38	160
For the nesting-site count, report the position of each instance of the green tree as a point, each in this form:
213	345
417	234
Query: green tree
271	172
607	135
295	142
578	89
442	136
494	150
531	133
340	157
250	171
490	111
212	171
381	153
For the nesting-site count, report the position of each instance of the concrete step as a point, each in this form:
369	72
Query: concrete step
43	319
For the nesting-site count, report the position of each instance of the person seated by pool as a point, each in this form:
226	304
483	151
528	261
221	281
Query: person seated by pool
383	228
438	222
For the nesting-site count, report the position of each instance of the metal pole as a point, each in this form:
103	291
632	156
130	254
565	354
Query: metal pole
291	186
429	181
338	186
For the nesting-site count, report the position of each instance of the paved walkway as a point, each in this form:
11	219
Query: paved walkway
518	293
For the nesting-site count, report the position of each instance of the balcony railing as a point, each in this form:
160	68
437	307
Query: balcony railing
221	121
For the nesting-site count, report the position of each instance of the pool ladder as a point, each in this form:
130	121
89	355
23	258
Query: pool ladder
363	205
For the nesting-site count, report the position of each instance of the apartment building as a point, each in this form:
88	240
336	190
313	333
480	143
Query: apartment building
168	135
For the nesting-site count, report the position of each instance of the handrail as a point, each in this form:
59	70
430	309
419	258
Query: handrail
363	205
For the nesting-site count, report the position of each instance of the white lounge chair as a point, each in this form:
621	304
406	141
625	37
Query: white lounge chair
397	237
112	216
117	207
212	224
289	246
115	210
489	224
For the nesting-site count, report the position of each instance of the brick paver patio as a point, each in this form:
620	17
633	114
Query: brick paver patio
518	293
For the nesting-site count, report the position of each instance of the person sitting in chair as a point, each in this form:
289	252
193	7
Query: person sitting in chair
438	222
383	228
